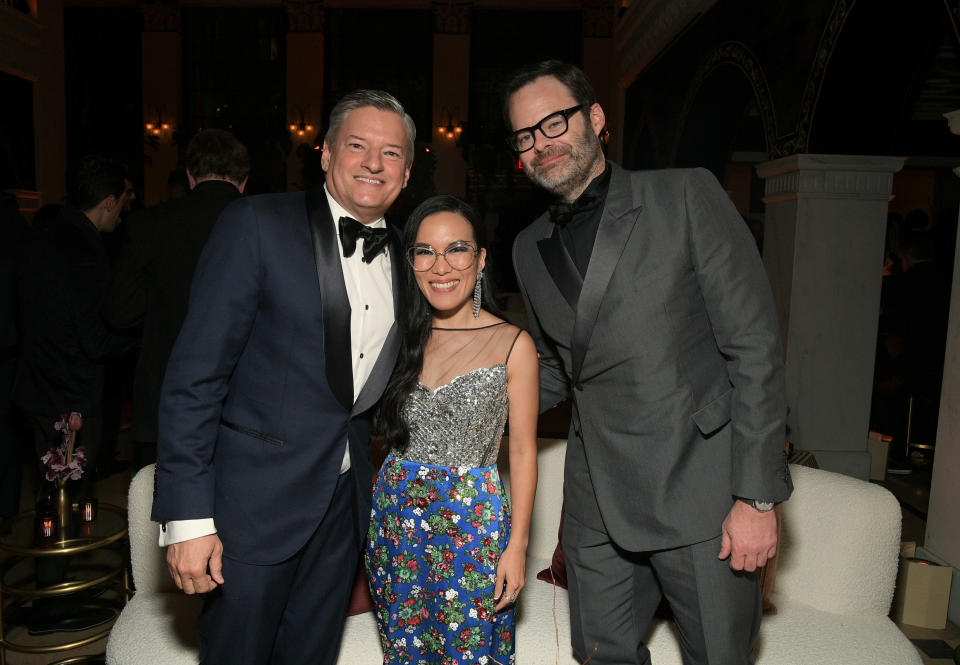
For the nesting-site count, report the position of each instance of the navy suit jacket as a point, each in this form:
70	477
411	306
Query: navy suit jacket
257	400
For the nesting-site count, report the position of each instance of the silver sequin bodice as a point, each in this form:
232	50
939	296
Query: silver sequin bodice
459	423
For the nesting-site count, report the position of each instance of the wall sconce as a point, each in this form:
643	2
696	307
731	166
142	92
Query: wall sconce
301	128
159	128
450	130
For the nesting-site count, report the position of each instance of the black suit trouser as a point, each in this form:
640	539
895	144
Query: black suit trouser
292	612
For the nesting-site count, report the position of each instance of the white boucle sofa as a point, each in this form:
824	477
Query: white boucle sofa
834	585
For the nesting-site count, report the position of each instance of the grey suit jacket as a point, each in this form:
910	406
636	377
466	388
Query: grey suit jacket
671	350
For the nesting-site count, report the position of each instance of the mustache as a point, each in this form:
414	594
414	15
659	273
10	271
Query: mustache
551	152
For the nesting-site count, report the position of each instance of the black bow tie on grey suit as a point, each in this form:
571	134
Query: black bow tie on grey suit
562	212
374	240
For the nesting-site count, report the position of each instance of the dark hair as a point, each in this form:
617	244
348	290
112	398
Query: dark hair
569	75
378	99
94	178
417	319
216	152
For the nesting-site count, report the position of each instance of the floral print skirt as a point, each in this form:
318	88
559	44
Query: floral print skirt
436	535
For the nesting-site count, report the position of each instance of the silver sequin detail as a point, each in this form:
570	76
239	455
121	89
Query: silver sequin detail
459	423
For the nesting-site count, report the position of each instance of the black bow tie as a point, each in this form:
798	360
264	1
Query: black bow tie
374	240
562	212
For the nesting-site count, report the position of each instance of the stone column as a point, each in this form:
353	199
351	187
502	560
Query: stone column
823	251
942	539
162	85
451	93
305	65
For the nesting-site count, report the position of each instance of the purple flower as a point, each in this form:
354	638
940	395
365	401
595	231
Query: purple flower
55	459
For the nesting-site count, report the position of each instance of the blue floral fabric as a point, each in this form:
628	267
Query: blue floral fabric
435	538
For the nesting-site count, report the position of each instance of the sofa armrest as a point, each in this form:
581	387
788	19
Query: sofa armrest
840	544
147	558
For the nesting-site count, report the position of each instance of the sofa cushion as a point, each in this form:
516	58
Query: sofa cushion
802	635
156	628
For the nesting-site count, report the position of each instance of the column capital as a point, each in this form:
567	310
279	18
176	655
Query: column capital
828	176
161	16
953	121
304	15
451	17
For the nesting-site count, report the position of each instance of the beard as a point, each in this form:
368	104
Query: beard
571	178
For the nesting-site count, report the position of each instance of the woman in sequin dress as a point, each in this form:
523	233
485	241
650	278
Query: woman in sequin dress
446	556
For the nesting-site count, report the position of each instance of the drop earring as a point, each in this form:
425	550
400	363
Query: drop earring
477	292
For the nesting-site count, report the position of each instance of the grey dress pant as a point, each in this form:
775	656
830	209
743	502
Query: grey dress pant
614	594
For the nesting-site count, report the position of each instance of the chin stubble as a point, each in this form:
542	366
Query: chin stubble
584	153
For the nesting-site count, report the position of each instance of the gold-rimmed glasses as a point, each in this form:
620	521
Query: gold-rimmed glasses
459	256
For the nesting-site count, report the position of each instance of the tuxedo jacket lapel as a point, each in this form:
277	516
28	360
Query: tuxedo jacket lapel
336	304
619	217
383	368
561	267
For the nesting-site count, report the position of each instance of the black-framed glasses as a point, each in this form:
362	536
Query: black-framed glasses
554	125
459	256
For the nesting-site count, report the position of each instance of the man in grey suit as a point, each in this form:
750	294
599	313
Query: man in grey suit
648	303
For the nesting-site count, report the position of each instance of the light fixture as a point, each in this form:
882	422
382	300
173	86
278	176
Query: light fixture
450	130
301	128
604	137
158	128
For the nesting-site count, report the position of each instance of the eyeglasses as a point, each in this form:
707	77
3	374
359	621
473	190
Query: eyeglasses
554	125
459	256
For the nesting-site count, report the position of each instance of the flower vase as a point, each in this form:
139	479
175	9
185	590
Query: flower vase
64	512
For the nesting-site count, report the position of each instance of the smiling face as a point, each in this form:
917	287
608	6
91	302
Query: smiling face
367	165
449	291
564	165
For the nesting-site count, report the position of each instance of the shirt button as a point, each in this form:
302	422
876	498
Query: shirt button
361	355
366	306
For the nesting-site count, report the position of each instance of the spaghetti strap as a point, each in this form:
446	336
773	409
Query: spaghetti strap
512	344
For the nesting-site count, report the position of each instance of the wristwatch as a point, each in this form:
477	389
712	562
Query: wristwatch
762	506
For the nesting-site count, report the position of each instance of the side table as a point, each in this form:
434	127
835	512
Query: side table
97	554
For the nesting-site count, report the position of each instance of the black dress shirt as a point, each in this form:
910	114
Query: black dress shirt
579	232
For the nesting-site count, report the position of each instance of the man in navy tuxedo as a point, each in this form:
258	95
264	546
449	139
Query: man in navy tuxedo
263	478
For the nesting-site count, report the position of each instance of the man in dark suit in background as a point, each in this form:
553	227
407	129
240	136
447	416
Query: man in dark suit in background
263	474
63	279
152	283
648	302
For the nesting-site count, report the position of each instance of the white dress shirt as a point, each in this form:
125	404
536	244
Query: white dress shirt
370	292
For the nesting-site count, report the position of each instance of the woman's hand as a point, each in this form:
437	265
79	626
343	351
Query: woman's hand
511	572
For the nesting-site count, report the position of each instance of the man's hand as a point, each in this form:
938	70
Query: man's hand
749	537
196	565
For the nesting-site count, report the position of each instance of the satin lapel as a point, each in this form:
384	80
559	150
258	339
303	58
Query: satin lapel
561	267
619	218
383	368
333	291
